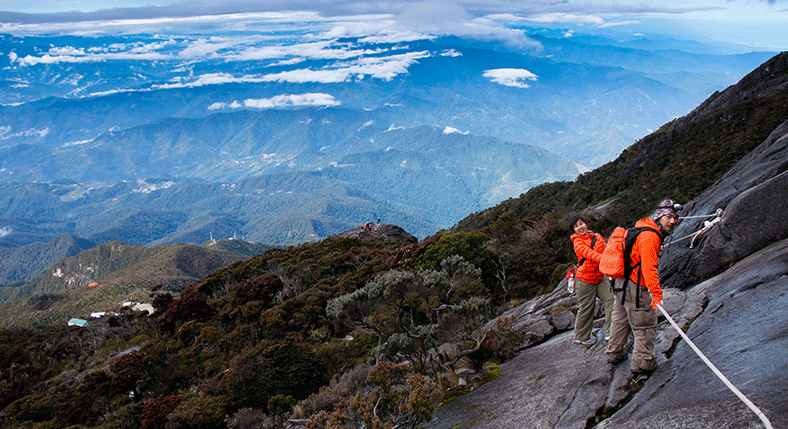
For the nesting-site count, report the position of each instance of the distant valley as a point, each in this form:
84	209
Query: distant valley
168	151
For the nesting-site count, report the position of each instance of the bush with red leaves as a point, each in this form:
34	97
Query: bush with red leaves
186	309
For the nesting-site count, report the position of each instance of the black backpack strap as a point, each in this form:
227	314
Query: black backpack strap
593	242
629	243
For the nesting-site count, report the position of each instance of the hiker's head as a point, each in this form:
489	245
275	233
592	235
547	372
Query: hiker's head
578	224
666	214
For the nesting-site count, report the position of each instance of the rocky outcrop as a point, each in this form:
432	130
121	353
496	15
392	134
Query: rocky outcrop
384	231
765	81
729	293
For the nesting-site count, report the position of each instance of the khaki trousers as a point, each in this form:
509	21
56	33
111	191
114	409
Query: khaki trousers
638	318
587	294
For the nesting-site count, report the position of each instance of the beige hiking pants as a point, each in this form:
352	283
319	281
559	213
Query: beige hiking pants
640	320
587	293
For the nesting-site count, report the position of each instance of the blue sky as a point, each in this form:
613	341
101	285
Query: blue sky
756	24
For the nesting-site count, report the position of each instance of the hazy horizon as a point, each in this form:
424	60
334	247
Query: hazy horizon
755	25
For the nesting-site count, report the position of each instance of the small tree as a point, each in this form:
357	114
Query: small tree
393	396
407	311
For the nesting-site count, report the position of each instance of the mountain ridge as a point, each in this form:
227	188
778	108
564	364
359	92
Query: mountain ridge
19	263
119	269
408	191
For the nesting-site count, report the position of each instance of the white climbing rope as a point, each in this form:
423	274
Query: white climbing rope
706	226
718	213
717	372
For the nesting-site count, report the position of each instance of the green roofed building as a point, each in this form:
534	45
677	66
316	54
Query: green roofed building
78	322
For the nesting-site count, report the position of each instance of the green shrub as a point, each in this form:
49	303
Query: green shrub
198	412
288	368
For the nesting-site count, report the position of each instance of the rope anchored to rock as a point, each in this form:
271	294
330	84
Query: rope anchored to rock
707	225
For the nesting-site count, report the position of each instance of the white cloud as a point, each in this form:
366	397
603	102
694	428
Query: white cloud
317	50
564	18
452	130
312	99
116	51
279	101
353	65
6	230
29	60
360	18
77	143
5	133
619	24
510	77
385	68
219	46
395	36
210	79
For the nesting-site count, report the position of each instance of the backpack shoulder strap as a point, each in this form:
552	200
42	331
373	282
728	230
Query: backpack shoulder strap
629	243
632	236
593	242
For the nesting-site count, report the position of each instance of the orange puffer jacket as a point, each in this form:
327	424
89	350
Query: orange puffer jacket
646	251
589	271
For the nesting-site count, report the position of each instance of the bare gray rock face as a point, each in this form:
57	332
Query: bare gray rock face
754	199
743	332
556	384
542	317
737	319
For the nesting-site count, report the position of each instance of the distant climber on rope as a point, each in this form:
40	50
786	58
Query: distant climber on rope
590	284
638	293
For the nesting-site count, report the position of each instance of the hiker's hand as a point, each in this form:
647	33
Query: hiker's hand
656	299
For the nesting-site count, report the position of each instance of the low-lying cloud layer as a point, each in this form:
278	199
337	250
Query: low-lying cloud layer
279	101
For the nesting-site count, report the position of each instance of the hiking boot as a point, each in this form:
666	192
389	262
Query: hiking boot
640	376
589	342
598	333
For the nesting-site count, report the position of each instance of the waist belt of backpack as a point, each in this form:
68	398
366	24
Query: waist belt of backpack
623	288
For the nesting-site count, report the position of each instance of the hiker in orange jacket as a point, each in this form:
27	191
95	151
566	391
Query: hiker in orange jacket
590	284
637	301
